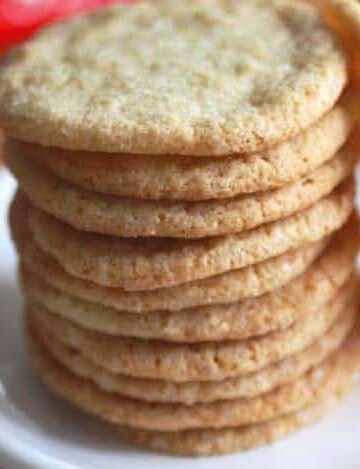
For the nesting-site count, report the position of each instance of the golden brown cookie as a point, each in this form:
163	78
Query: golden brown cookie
216	442
276	310
110	80
226	288
211	442
176	417
193	362
186	178
98	213
244	386
233	286
146	264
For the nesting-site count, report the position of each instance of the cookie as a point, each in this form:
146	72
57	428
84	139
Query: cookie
193	362
212	442
171	417
276	310
96	213
147	264
110	81
321	280
226	288
245	386
216	442
156	177
241	284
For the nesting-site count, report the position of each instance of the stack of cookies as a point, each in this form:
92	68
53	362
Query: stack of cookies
185	218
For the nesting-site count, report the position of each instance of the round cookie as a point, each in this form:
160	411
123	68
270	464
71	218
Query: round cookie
110	81
245	386
212	442
147	264
129	218
176	417
226	288
218	442
156	177
242	320
193	362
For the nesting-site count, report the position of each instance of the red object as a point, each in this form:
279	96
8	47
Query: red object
21	18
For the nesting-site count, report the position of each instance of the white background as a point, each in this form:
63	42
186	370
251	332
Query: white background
39	431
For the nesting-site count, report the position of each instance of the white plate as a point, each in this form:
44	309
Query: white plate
39	431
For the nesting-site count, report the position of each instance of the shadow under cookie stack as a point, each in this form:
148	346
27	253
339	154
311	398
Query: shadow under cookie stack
185	218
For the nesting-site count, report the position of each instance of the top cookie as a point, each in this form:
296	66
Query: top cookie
196	77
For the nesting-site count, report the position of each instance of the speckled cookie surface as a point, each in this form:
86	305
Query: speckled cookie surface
193	362
174	417
205	443
156	177
233	286
277	309
244	76
146	264
211	442
225	288
97	213
256	316
245	386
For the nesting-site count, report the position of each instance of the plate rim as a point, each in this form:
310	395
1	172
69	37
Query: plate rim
21	452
